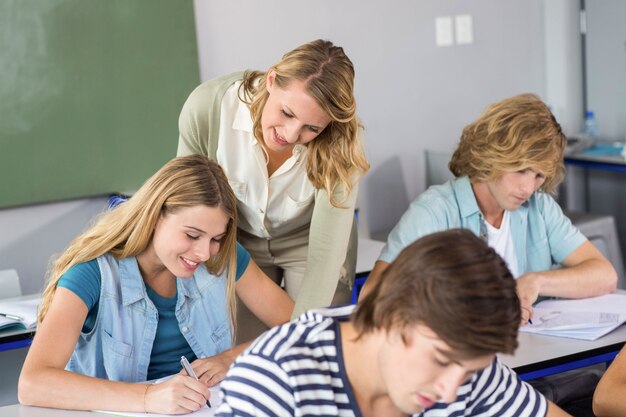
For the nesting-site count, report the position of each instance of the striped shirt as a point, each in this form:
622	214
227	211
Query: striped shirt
298	370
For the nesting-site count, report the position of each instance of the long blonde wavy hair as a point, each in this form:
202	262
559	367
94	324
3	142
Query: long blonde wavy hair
336	156
516	133
127	230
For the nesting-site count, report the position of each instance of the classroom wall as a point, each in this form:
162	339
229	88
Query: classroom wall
411	94
30	236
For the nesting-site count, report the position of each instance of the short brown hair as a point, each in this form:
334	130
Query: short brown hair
516	133
455	284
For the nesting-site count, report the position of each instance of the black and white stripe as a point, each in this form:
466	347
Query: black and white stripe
295	370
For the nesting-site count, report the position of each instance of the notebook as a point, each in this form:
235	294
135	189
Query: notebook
586	319
21	314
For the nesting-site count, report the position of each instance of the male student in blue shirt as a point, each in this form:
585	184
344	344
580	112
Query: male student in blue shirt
506	164
422	343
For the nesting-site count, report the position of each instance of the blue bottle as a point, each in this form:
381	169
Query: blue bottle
591	125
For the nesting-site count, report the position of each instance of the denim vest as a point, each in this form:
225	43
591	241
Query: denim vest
118	348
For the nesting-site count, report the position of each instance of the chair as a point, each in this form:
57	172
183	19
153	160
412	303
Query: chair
9	284
600	229
437	171
386	198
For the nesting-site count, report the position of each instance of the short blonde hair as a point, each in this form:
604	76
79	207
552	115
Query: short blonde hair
336	156
516	133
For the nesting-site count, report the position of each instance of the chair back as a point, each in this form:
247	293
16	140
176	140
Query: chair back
9	284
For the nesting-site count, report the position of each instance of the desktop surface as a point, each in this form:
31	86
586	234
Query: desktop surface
541	355
17	410
600	155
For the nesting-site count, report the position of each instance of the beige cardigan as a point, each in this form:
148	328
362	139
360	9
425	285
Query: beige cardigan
332	231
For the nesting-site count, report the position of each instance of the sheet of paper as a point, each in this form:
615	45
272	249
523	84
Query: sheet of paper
203	412
587	319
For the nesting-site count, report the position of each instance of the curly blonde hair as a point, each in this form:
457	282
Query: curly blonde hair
516	133
127	230
336	156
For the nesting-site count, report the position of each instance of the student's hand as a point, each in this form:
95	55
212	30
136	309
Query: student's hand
211	371
181	394
527	314
528	292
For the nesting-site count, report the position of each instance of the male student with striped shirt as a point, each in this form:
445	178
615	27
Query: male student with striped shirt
422	343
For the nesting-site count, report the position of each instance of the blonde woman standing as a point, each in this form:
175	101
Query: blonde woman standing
151	281
289	142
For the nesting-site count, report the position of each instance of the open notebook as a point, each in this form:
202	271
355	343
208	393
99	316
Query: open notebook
202	412
586	319
21	314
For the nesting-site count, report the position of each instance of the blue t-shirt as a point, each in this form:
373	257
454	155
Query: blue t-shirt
169	345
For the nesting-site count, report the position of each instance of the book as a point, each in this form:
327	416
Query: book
19	314
585	319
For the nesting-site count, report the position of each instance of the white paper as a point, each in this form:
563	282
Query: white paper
587	318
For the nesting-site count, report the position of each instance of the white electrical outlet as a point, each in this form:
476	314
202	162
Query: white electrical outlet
464	30
444	31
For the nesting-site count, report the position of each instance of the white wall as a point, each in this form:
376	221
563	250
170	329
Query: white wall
563	62
30	236
411	94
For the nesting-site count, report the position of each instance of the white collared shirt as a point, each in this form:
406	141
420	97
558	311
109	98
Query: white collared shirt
268	207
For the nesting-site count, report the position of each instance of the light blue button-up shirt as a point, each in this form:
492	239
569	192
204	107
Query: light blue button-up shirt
542	235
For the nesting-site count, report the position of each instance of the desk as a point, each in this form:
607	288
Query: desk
537	356
595	184
14	345
367	255
603	156
17	410
16	339
540	355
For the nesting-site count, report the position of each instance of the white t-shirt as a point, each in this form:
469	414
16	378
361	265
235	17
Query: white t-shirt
268	207
501	241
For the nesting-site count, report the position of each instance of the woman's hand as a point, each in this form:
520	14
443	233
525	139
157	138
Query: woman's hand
211	371
181	394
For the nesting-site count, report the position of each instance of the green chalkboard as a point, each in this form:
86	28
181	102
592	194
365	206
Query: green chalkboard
90	92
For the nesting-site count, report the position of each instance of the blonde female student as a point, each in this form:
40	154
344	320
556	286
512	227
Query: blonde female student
152	280
289	142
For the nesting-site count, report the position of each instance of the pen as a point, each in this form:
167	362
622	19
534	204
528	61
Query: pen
187	367
11	316
530	321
